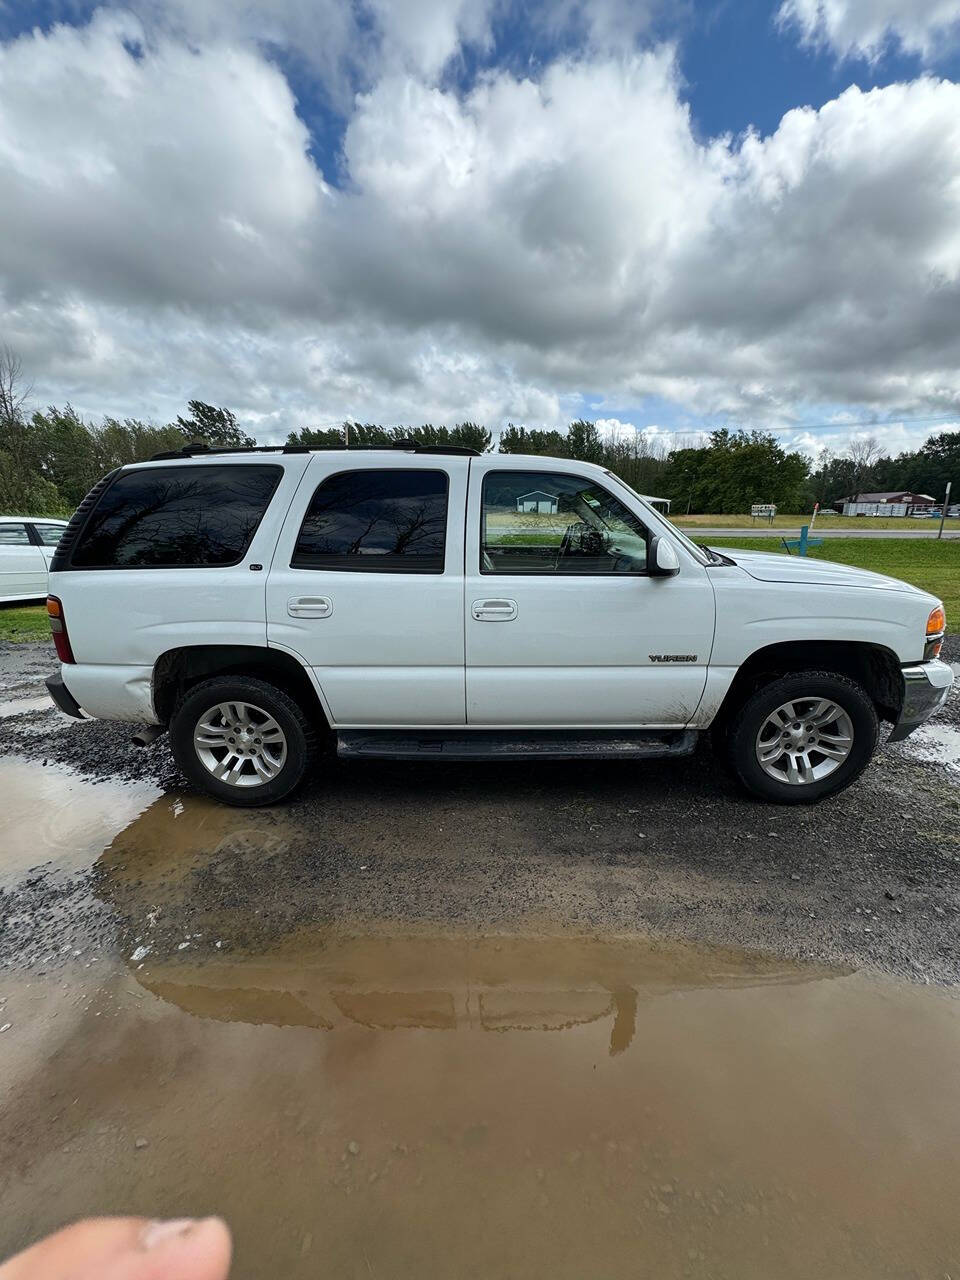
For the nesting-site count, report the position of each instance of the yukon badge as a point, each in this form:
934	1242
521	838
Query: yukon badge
672	657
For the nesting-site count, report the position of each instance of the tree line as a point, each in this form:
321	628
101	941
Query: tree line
726	475
49	459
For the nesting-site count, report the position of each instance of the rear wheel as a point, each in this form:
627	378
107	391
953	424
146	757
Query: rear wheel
803	737
242	740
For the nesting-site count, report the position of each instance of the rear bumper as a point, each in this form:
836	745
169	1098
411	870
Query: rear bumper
926	688
108	692
63	697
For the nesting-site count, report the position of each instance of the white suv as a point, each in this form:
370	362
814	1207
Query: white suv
423	602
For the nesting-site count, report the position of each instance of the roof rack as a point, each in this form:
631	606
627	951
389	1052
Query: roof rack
201	450
409	446
455	450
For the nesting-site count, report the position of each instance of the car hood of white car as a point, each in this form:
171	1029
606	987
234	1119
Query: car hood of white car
767	567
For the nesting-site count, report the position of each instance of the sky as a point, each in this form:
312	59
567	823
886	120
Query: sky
664	216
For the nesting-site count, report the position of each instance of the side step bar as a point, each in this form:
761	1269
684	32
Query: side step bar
497	744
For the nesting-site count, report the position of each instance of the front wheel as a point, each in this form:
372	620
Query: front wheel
803	737
242	740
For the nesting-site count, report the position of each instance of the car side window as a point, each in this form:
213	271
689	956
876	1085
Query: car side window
49	534
554	523
181	516
389	521
14	535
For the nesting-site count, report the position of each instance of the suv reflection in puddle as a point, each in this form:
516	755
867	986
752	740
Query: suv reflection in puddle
443	983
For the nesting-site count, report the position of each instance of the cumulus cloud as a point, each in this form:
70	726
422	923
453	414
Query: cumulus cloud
351	45
600	25
497	254
865	28
892	437
173	176
537	213
344	45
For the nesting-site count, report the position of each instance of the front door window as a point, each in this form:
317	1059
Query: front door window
554	523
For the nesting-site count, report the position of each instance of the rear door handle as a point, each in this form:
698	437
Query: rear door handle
494	610
309	607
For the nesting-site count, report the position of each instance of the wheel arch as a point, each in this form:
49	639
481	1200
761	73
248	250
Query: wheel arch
178	670
873	666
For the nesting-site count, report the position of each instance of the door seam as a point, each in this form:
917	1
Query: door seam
463	583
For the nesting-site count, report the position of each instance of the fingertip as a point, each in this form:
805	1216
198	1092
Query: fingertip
219	1238
179	1249
204	1250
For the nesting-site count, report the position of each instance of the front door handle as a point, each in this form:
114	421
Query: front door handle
309	607
494	610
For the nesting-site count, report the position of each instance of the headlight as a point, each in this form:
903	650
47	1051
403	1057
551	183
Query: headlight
936	625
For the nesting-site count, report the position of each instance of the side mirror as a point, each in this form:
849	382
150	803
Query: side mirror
664	561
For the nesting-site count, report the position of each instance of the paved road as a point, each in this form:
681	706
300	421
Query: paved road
764	531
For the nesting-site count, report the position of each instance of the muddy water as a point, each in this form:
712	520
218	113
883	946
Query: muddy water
48	815
936	744
449	1105
21	705
396	1098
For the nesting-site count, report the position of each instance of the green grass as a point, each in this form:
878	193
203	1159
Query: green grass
934	566
22	624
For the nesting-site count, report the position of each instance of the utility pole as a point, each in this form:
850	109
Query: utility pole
943	509
346	435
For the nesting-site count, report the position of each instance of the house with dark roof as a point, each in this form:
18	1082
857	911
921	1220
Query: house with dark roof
897	495
899	502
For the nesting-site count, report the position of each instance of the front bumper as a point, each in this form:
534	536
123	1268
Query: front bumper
63	697
926	688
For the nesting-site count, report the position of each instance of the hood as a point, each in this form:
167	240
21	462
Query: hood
767	567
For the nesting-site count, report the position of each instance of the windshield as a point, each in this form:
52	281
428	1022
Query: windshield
698	552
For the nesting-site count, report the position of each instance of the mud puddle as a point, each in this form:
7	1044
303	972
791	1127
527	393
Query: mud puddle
936	744
22	705
443	1104
380	1051
50	817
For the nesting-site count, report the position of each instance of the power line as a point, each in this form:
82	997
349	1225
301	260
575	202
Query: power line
890	422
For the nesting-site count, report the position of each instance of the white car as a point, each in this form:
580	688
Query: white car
27	544
433	603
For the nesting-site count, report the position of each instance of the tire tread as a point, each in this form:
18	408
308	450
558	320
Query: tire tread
770	790
252	686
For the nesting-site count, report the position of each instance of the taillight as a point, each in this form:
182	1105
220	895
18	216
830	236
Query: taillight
936	626
58	625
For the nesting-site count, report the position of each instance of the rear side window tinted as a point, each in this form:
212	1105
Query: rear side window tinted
14	535
376	522
176	517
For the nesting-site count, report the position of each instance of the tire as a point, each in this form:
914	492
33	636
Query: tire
797	766
259	768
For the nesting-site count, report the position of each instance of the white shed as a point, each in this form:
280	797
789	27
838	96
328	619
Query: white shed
537	500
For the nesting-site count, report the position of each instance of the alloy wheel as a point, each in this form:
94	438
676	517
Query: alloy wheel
804	741
240	744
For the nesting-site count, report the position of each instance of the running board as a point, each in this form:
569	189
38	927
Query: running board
495	744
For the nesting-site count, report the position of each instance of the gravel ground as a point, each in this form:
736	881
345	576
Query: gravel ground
870	878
